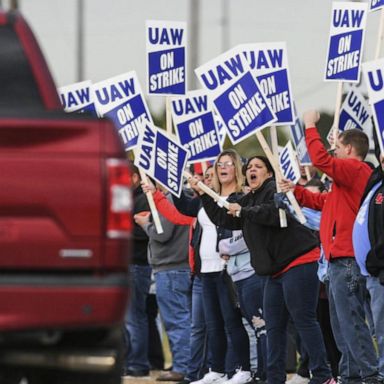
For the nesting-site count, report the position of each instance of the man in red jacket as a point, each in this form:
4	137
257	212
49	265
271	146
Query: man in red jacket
347	287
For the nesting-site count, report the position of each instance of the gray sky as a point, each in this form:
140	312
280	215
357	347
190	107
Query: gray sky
114	37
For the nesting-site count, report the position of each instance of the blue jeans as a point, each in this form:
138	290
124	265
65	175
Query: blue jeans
294	293
251	293
173	293
347	294
136	322
376	291
222	319
198	342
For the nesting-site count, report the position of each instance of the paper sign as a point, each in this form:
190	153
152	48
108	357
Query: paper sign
236	94
166	57
355	112
298	137
121	99
288	163
346	41
375	5
78	98
374	79
195	125
269	63
161	158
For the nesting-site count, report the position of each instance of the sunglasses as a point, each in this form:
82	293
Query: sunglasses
224	164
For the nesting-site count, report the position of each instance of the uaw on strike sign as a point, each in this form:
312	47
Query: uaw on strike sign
195	125
269	63
346	41
236	94
375	5
78	98
161	158
166	57
120	98
374	80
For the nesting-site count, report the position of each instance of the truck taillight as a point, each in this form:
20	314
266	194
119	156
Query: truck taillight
120	202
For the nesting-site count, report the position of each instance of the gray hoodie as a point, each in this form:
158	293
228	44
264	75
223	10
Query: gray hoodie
169	250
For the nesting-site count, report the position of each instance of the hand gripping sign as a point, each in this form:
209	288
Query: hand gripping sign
120	98
346	41
236	94
161	158
288	163
355	112
195	125
374	79
166	57
78	98
269	63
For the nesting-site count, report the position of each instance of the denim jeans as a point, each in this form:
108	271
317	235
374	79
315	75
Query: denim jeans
223	318
198	342
251	293
173	293
136	321
347	294
376	291
294	293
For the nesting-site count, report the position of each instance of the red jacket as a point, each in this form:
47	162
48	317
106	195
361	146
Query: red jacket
340	205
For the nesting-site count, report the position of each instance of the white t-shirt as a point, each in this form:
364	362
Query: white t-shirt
210	258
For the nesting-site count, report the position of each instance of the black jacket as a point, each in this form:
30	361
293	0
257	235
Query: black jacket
272	248
140	238
375	257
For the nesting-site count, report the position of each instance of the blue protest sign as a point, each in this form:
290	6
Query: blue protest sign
288	163
375	5
348	22
269	63
78	98
161	158
195	125
298	137
355	112
120	98
166	57
236	94
374	79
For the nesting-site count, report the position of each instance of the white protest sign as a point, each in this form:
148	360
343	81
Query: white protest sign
121	99
161	158
355	112
374	79
195	125
166	57
236	94
269	63
220	128
298	137
78	98
348	22
288	163
374	5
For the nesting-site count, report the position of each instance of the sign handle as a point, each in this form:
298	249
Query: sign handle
209	191
168	114
380	34
336	118
276	168
275	149
307	173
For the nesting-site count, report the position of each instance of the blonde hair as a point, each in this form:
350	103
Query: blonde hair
238	170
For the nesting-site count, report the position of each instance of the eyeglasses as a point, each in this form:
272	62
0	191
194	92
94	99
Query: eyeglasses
224	164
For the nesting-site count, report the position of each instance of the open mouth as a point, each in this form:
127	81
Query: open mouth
253	177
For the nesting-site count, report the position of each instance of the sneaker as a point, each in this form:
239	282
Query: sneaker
240	377
212	378
297	379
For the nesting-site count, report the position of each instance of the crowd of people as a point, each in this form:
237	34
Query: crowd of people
231	281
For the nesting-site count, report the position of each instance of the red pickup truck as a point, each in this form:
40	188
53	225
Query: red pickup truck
65	225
